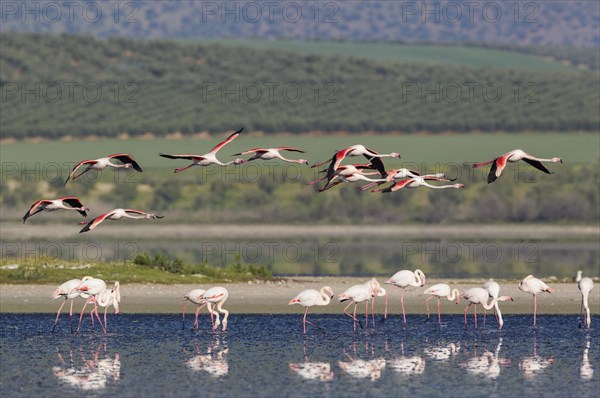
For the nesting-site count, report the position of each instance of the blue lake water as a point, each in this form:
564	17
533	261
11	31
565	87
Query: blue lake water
267	356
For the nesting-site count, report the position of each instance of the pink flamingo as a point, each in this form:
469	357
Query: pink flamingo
102	163
441	290
272	153
401	174
349	173
117	214
533	286
585	285
357	294
342	171
64	203
358	150
377	291
208	158
404	279
499	163
308	298
108	298
94	287
478	295
417	182
195	296
217	295
66	290
493	288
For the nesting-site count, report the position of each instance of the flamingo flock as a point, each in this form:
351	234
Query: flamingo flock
95	292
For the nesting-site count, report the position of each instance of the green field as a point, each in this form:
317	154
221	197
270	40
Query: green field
571	147
475	57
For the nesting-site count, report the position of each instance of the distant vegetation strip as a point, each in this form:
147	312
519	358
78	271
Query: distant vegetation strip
54	86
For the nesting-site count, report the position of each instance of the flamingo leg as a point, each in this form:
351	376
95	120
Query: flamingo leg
105	322
439	315
71	316
386	307
427	305
580	319
61	306
367	313
534	309
355	305
183	317
180	169
466	309
82	312
350	315
402	301
475	315
304	319
373	311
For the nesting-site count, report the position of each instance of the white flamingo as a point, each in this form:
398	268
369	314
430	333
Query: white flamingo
478	295
217	295
94	287
441	290
66	290
404	279
64	203
272	153
357	294
208	158
417	182
585	285
308	298
100	164
499	163
195	296
533	286
117	214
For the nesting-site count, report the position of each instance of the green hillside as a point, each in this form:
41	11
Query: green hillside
471	56
54	86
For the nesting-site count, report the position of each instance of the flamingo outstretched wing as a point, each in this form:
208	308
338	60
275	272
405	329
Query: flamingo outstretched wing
77	166
254	150
35	208
288	148
126	158
74	202
188	157
537	164
227	141
95	222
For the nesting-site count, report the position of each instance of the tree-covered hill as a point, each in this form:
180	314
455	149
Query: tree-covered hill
77	85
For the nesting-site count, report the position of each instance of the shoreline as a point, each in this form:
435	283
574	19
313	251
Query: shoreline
272	297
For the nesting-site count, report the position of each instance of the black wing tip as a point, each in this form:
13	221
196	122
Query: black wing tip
237	154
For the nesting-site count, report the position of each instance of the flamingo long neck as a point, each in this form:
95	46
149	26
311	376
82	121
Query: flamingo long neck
540	159
436	186
418	279
490	305
453	295
325	297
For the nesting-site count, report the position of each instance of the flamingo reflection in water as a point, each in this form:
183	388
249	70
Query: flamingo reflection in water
488	364
214	362
441	352
534	365
586	370
93	374
318	371
363	368
407	365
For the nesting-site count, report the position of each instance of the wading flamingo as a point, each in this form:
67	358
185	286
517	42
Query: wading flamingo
195	296
584	285
533	286
377	291
66	290
272	153
117	214
499	163
404	279
440	291
107	298
493	288
310	297
64	203
100	164
94	287
358	294
217	295
417	182
208	158
478	295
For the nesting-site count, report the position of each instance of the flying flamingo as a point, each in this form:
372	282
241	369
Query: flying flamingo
377	291
478	295
94	287
66	290
272	153
404	279
64	203
343	171
584	285
533	286
358	150
108	298
117	214
194	296
441	290
499	163
416	182
308	298
357	294
217	295
349	174
208	158
102	163
401	174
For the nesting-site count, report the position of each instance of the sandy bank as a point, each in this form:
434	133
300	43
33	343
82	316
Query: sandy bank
272	297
